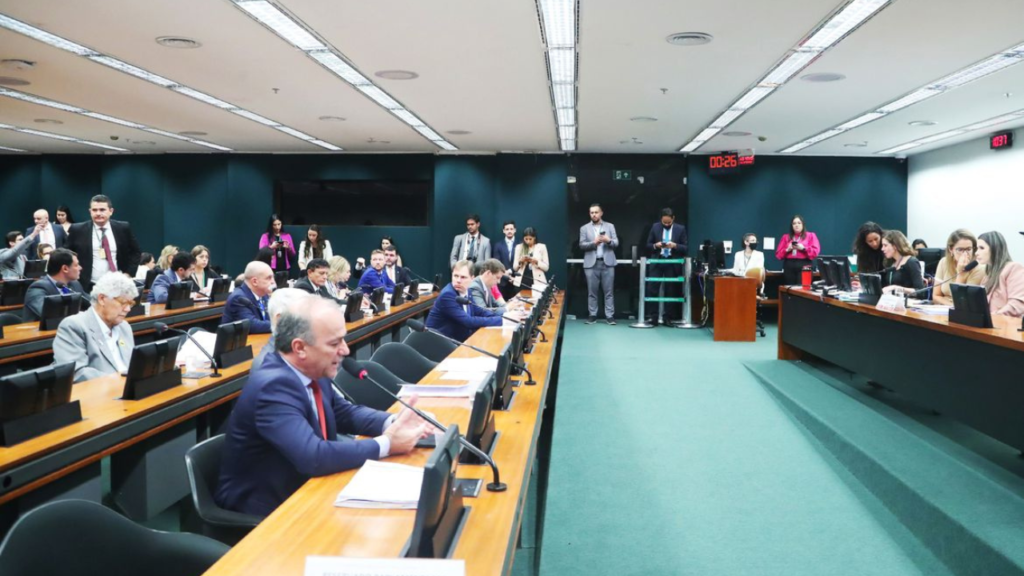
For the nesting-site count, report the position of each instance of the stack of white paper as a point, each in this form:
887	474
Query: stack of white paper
478	364
432	391
189	350
382	485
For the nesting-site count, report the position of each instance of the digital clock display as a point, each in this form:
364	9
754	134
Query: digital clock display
724	162
1001	140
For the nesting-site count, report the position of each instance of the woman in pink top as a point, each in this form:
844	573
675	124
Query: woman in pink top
1005	278
797	249
280	242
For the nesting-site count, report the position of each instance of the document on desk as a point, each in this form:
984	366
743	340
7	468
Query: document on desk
432	391
338	566
466	376
931	309
478	364
382	485
189	349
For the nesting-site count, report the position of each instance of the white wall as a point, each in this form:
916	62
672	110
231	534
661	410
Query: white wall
967	186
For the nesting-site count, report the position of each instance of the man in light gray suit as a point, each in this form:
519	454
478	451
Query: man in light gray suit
472	245
99	341
598	242
489	273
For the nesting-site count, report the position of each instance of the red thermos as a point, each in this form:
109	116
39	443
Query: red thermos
805	278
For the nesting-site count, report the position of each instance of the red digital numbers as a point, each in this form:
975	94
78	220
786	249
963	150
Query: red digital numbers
722	161
1004	140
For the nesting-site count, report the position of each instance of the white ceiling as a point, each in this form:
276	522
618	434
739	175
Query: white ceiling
481	68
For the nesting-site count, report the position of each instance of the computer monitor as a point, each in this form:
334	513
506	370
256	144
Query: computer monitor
713	254
179	295
152	369
480	430
438	278
220	289
516	344
870	288
832	267
281	279
970	306
12	292
58	307
414	291
150	277
841	274
35	402
440	513
398	294
230	348
503	382
354	307
138	309
377	297
34	269
930	258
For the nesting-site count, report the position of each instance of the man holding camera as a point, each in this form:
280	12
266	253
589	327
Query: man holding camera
598	242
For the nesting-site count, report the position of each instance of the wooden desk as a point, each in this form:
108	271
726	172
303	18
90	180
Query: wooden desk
969	374
734	305
110	425
309	524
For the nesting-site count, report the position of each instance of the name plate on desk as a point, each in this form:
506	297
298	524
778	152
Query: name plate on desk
891	303
337	566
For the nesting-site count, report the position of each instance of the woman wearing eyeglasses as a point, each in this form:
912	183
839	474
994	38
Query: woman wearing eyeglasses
961	247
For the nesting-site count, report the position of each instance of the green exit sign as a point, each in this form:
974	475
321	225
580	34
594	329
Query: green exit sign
623	175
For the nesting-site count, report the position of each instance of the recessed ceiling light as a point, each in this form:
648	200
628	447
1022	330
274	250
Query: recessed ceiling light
396	74
16	64
856	145
689	38
331	118
47	121
918	123
192	133
177	42
823	77
458	132
736	133
8	81
643	119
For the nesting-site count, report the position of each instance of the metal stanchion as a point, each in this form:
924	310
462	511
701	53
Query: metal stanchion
660	299
641	320
687	321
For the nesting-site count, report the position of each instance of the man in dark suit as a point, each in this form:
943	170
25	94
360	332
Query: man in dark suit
397	274
504	251
103	245
62	272
182	266
315	281
249	301
456	320
283	430
49	234
666	240
375	277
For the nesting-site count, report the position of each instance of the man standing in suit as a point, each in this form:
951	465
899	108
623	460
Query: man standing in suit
283	429
48	233
505	250
182	266
103	245
315	282
62	272
598	242
375	277
397	274
454	319
249	301
667	240
98	340
472	245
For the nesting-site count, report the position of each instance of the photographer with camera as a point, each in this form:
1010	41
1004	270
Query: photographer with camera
280	242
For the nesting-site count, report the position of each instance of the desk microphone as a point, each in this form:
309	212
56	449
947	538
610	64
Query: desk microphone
418	277
970	266
417	326
162	328
351	366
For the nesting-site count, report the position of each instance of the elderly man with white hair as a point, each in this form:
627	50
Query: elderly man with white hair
249	301
99	341
281	301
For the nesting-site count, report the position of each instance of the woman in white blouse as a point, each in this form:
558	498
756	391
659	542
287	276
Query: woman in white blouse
530	261
749	258
314	246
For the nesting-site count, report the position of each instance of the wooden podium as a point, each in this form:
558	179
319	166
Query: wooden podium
734	308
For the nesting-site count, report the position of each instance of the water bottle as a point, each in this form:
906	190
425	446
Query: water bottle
805	278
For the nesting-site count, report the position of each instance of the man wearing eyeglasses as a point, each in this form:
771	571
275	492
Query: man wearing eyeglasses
99	341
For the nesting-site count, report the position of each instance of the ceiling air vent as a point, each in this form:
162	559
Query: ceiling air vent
689	38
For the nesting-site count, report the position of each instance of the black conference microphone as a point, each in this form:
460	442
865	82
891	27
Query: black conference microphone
162	328
417	326
970	266
466	302
418	277
351	366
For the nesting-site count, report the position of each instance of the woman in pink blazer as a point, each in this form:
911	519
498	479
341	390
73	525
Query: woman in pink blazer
1005	278
280	242
797	249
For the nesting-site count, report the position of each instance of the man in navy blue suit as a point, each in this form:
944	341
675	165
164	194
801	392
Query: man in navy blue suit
182	266
667	240
456	320
505	249
284	428
249	301
375	277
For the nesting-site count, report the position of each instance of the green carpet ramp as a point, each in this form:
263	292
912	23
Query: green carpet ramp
974	524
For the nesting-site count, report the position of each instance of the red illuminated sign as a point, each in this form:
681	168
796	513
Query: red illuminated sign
1001	140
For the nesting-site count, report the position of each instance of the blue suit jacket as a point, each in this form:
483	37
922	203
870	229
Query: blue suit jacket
449	317
59	236
500	251
273	444
678	236
241	305
372	279
161	284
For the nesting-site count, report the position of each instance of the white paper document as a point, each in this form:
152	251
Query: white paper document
478	364
465	376
189	349
382	485
432	391
769	243
338	566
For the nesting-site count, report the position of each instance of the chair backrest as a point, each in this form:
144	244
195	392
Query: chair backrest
365	393
203	464
757	273
430	345
88	539
10	319
403	361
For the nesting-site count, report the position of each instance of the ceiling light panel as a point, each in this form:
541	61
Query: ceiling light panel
343	69
726	118
12	149
53	136
558	21
564	95
133	70
1001	119
37	100
282	25
408	117
910	99
43	36
204	98
851	16
788	68
563	65
862	119
566	116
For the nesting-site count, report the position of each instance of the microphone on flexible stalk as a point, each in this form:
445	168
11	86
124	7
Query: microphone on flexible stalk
418	277
351	366
970	266
417	326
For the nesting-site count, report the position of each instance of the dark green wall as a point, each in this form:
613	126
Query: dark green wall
834	195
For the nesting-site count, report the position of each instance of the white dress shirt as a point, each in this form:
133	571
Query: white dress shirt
390	271
111	342
99	257
511	244
465	245
597	234
47	237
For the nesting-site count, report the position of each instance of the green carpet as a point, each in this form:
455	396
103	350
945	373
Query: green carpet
669	457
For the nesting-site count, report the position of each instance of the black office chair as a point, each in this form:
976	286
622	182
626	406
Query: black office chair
403	361
430	345
365	393
10	319
88	539
203	464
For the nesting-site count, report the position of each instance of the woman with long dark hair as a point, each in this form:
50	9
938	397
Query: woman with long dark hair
1005	278
280	242
867	246
64	218
314	246
530	261
797	249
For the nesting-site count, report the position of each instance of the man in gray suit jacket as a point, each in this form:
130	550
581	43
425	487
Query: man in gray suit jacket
598	242
472	245
489	272
62	271
99	341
